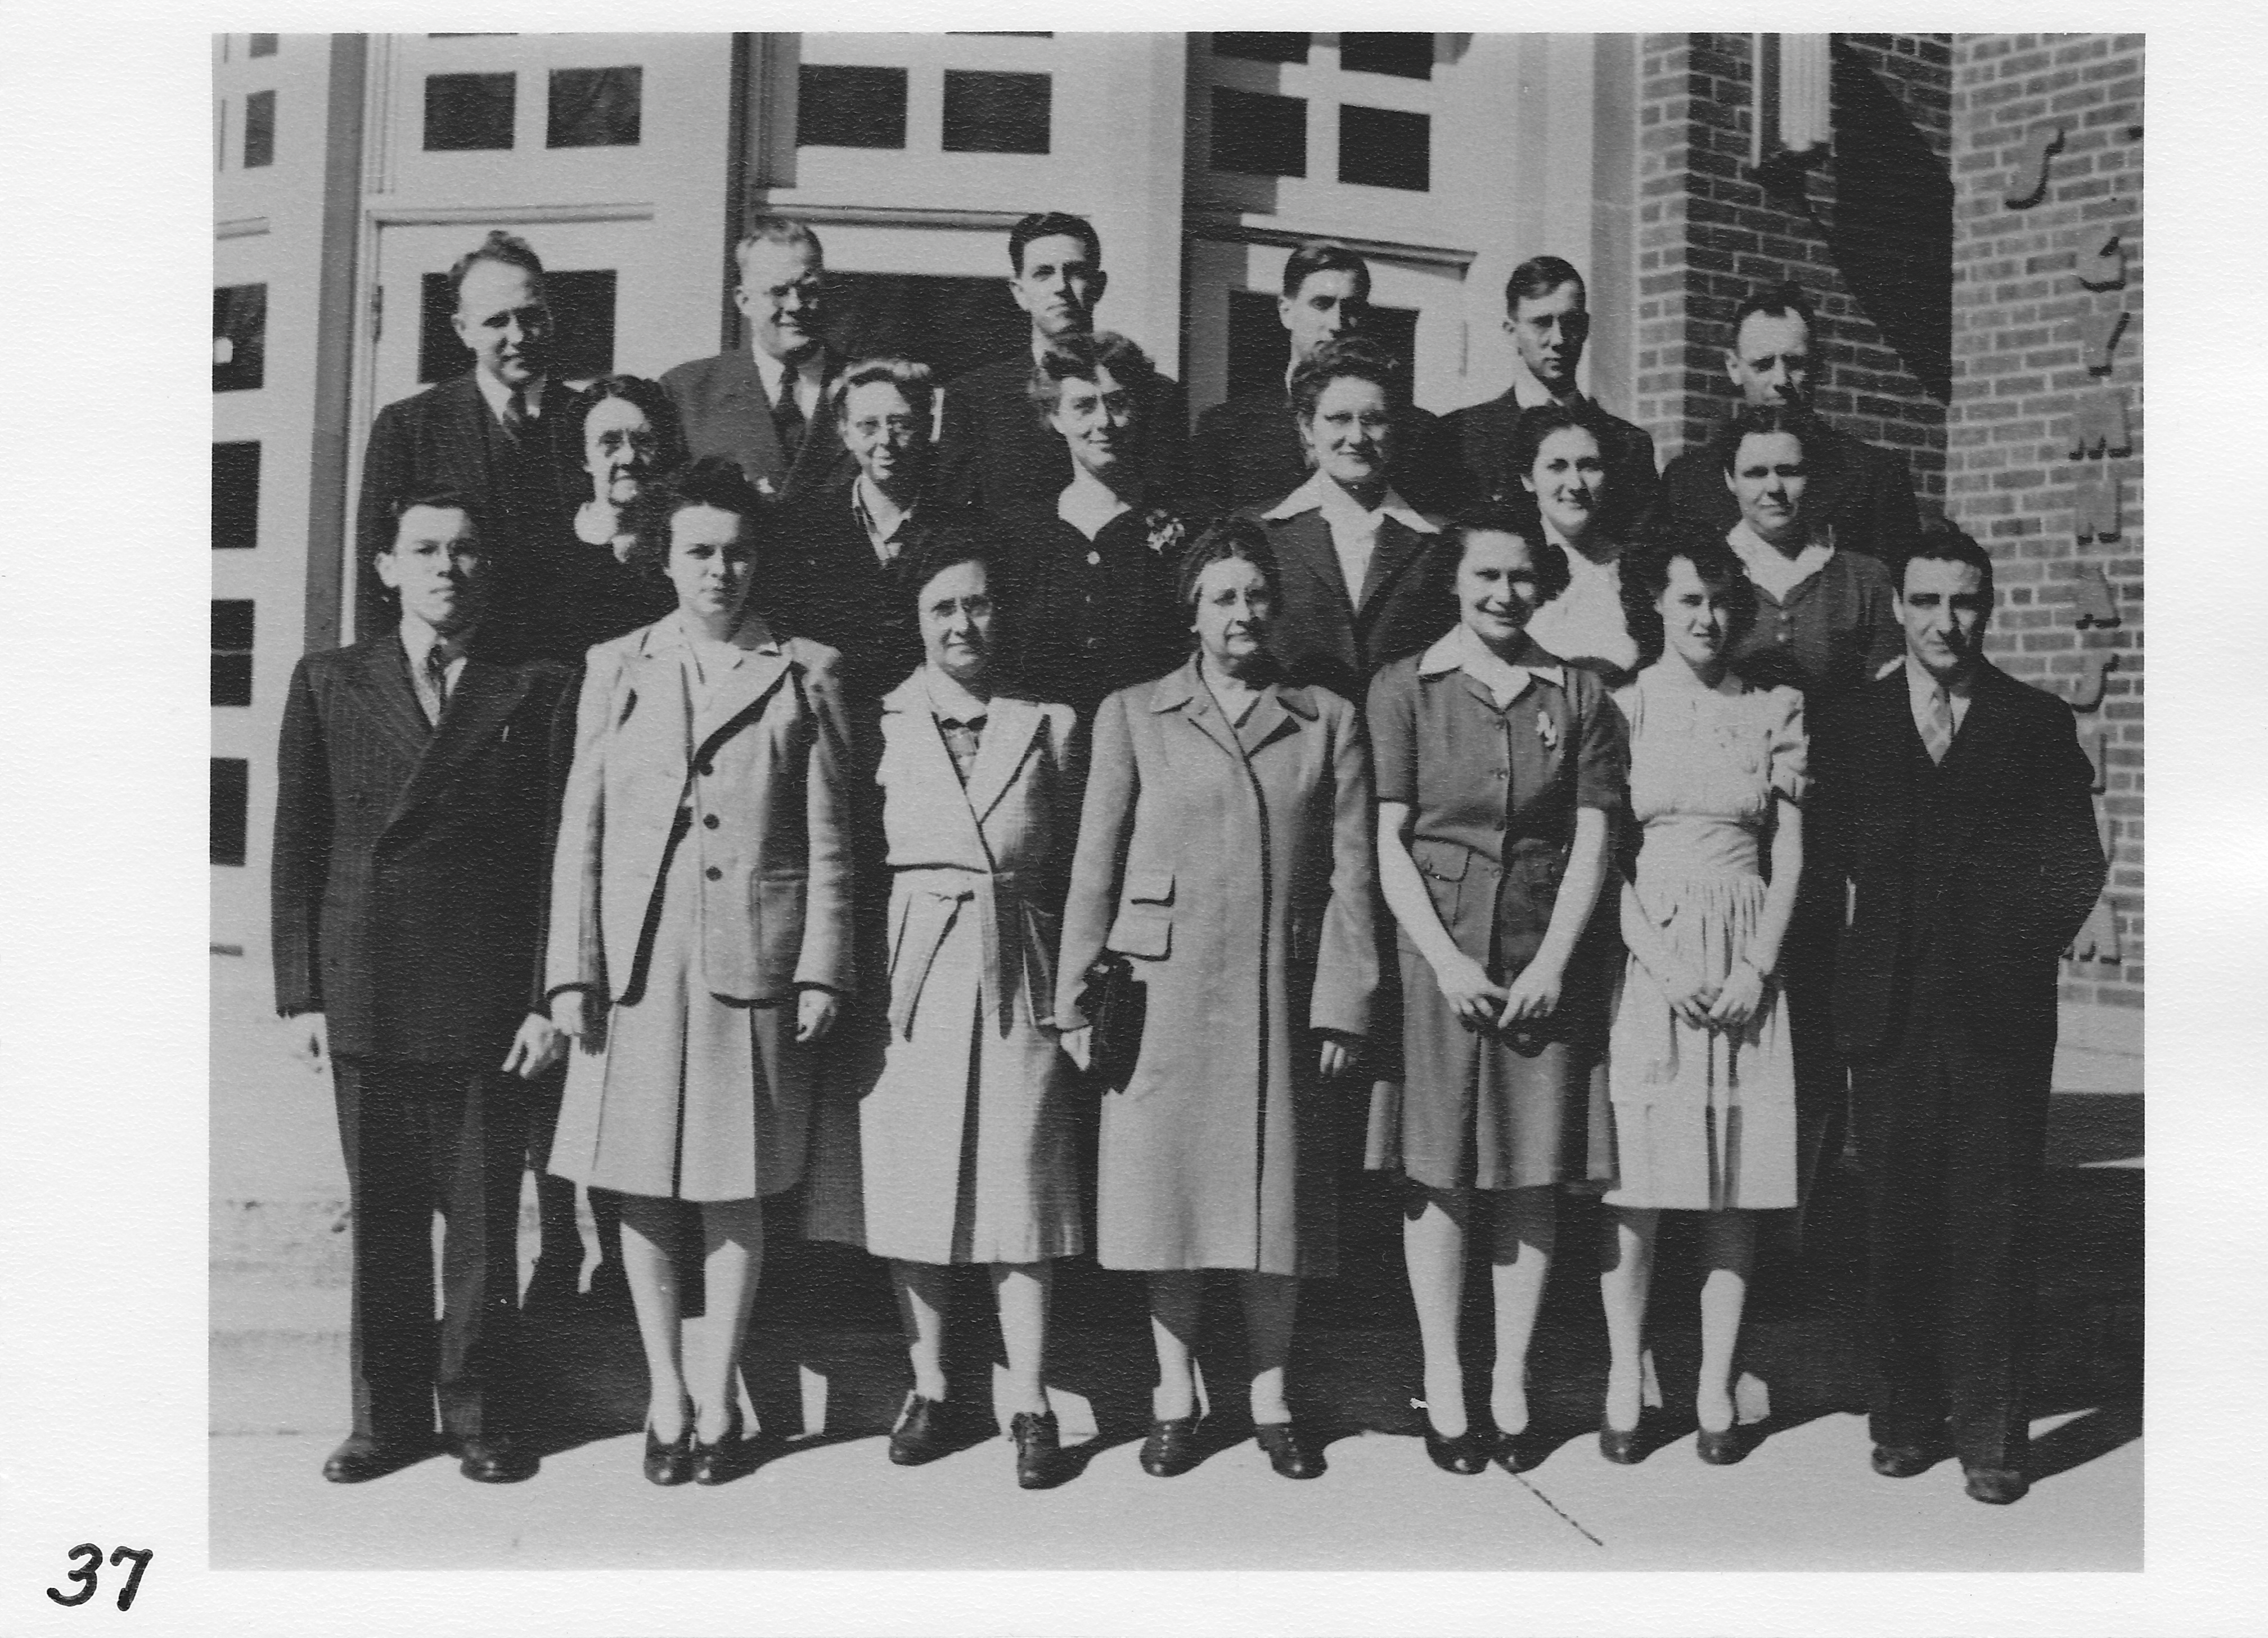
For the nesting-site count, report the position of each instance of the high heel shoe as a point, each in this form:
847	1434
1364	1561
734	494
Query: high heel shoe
1722	1448
1464	1454
1623	1446
719	1462
670	1463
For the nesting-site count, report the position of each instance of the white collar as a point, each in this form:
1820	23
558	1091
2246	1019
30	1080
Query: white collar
1088	504
1579	565
883	516
1920	685
418	638
1773	570
1319	493
494	393
753	633
948	700
1459	650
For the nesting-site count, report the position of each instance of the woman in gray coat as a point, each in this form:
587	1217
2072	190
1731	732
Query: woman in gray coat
1225	852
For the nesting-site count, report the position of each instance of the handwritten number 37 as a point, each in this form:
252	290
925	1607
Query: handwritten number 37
86	1573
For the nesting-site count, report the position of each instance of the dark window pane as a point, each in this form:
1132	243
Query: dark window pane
263	45
851	107
465	110
1003	34
1262	48
1410	55
231	679
232	624
950	323
232	805
1259	133
992	113
258	130
239	337
235	496
582	305
594	107
1260	350
1385	147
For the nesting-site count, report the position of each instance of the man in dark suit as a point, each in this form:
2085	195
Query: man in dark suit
410	871
994	452
1361	582
1547	315
763	406
1953	804
1864	494
485	436
1248	452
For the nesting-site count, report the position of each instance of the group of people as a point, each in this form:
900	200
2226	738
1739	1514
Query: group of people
851	779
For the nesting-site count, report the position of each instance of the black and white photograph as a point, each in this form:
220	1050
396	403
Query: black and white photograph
1117	803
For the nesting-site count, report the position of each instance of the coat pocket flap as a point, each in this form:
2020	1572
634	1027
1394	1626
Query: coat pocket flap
1142	931
1150	886
1443	861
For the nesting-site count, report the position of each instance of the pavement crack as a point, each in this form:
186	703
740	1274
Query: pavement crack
1567	1517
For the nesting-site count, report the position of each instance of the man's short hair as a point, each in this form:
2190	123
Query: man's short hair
1046	224
779	230
499	245
1538	277
1943	541
917	381
1778	301
1322	256
439	500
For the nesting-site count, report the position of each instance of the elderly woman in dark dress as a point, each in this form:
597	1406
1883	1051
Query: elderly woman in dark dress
1225	853
1499	770
1094	572
622	431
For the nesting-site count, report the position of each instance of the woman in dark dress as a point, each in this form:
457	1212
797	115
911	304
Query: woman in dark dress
1093	574
622	431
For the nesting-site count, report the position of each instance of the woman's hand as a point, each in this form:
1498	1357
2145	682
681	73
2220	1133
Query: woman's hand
1690	995
536	1048
1738	998
815	1013
1465	986
1533	996
1338	1055
572	1015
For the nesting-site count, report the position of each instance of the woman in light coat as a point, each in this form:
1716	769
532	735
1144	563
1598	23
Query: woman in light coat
1224	851
965	1146
700	939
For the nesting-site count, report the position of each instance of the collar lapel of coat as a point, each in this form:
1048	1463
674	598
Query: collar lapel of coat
1279	710
384	680
1010	727
739	693
1308	551
1398	544
906	712
1184	691
485	696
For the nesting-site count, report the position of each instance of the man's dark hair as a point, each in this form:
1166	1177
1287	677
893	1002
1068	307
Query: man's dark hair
499	245
1943	541
1540	276
1322	256
1777	301
1045	224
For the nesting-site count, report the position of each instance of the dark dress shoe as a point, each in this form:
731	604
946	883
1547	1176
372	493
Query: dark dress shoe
723	1461
364	1456
1039	1448
1517	1452
1171	1448
495	1460
1904	1461
1625	1447
1288	1453
1996	1485
929	1429
670	1463
1467	1453
1721	1450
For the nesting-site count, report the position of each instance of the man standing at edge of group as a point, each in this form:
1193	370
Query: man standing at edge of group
1248	452
1864	495
484	436
1547	314
412	853
732	404
994	450
1955	804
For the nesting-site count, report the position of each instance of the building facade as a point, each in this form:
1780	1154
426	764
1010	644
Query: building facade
1677	170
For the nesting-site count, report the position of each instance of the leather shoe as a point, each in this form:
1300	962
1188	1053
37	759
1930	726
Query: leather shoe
720	1463
1466	1453
364	1456
1997	1486
1038	1446
1622	1446
493	1459
1288	1453
1722	1448
1171	1448
929	1428
670	1463
1517	1452
1904	1461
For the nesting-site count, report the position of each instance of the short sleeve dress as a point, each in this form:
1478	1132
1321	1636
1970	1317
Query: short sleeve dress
1494	791
1704	1120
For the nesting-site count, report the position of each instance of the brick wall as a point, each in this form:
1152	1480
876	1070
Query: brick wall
2024	367
1710	229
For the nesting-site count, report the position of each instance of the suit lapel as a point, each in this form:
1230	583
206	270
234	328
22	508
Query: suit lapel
384	680
742	404
739	693
1397	545
1009	726
464	442
820	442
1308	539
1185	692
484	699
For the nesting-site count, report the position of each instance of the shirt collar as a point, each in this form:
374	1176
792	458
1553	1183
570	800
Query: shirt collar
769	369
753	633
949	701
1320	494
1920	685
1530	394
872	506
1459	650
418	638
494	393
1771	569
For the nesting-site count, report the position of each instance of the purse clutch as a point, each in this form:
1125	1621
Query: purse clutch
1114	1002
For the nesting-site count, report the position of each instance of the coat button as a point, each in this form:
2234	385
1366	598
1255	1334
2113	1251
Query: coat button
710	821
704	769
713	874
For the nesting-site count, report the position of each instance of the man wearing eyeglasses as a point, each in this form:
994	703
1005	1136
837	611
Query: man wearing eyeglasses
764	406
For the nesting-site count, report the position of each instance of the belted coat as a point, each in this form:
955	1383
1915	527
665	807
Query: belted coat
1233	867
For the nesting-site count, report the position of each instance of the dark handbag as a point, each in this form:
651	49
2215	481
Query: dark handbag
1114	1002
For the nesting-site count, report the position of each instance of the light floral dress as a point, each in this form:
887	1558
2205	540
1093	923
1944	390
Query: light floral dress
1704	1120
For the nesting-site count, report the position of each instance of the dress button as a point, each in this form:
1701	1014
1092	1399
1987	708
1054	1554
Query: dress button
713	874
710	821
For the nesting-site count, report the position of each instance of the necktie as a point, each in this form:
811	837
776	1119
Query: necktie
515	414
433	684
1937	726
787	416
